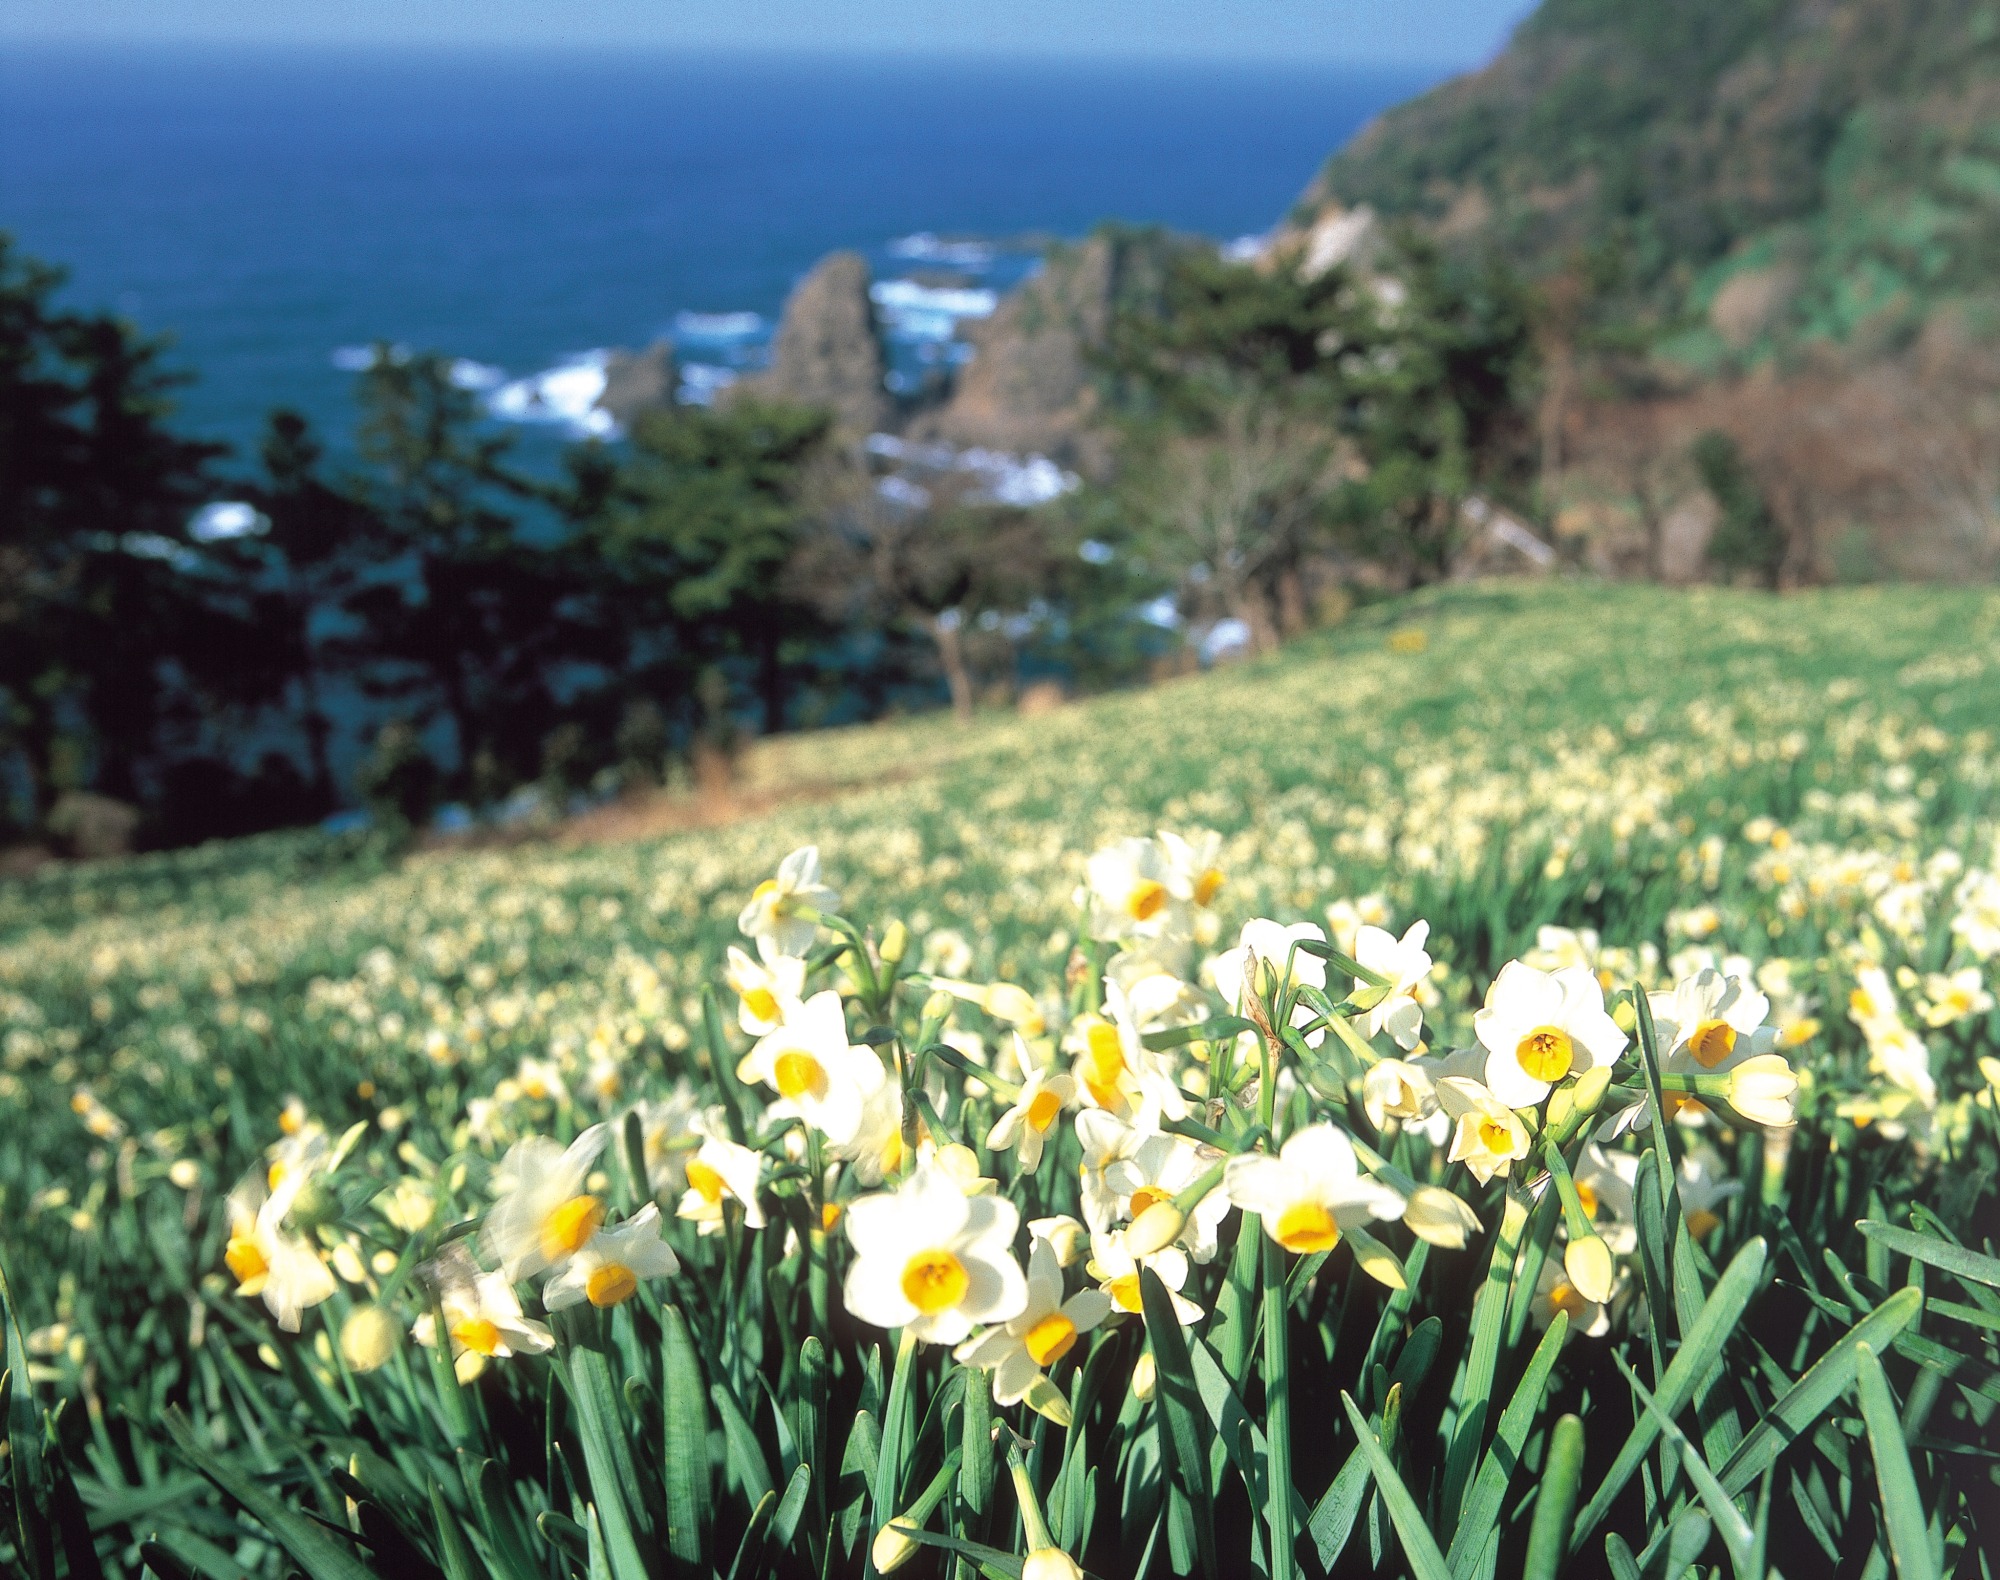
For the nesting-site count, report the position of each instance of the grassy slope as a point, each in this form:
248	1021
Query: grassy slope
1544	758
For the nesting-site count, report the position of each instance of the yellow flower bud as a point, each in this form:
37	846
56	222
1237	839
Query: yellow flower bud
368	1338
1145	1376
895	944
1590	1088
892	1548
1764	1090
1155	1229
1015	1005
1050	1563
1588	1263
1436	1215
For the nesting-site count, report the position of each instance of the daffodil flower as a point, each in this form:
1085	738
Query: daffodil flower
1310	1191
1131	891
780	916
1711	1022
482	1315
1406	964
1194	867
719	1172
823	1078
933	1260
1116	1270
1487	1136
544	1214
1026	1125
1272	946
1158	1167
610	1268
270	1259
1023	1349
1554	1292
1540	1027
763	990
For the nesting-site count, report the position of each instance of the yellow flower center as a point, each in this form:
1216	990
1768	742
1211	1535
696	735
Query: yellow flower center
1546	1053
477	1335
829	1214
1206	885
274	1176
798	1074
290	1122
1103	1063
706	1182
1495	1137
1861	1003
568	1229
1586	1193
1711	1042
935	1281
1043	1108
247	1261
1147	899
1306	1226
610	1285
1124	1292
1049	1340
1145	1196
1564	1297
762	1003
1702	1222
763	890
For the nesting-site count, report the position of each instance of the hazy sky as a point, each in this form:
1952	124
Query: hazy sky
1443	32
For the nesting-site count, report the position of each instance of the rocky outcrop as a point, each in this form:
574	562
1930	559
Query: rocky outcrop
638	381
827	352
1031	386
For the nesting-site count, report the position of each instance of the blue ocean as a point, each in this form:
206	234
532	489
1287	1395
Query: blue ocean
276	213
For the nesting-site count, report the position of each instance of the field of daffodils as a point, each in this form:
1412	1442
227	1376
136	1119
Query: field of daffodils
1507	1088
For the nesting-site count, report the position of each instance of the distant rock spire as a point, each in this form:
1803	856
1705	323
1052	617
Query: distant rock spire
828	351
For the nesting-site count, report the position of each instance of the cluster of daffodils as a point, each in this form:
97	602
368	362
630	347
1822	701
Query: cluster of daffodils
1006	1174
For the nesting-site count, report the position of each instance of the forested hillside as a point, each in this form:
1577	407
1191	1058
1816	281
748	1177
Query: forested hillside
1736	175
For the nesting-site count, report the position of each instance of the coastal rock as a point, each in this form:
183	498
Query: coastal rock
638	381
827	351
1030	386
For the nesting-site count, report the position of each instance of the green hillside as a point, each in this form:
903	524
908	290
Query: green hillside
1828	169
1803	791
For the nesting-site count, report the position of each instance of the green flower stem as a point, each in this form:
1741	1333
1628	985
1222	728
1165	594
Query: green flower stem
1033	1526
1573	1212
1189	1198
1277	1413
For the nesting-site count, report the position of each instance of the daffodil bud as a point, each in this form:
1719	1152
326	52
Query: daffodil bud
892	1548
1155	1229
1377	1260
1590	1088
1047	1400
185	1173
1436	1215
1015	1005
895	944
1588	1262
1764	1090
1145	1376
1624	1016
368	1338
1069	1239
938	1006
1050	1563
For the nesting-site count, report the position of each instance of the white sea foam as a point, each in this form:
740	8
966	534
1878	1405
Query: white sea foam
470	375
928	247
718	327
929	312
566	395
701	382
